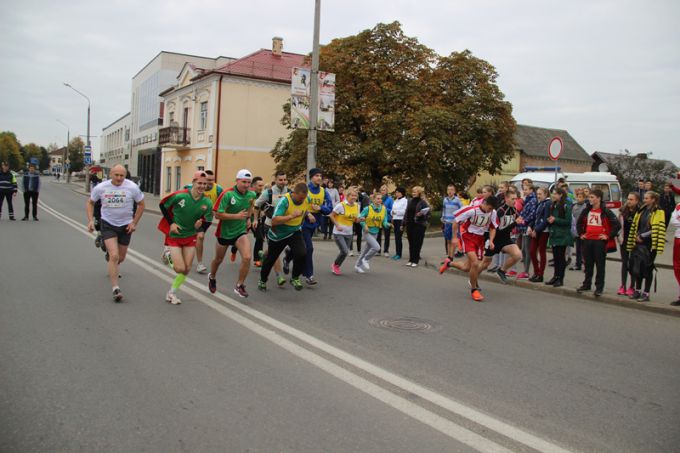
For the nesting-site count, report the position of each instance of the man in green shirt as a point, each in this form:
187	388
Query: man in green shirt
234	209
185	212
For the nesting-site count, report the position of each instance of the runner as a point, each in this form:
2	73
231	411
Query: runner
344	216
375	215
507	219
212	191
257	186
475	221
118	219
286	232
267	203
450	204
675	222
234	210
184	213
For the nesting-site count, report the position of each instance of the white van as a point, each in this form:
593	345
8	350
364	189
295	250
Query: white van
604	181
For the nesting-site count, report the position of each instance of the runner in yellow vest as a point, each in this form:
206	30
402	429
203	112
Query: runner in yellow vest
344	216
375	216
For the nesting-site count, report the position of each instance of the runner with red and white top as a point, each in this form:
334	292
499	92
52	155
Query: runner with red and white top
675	222
484	193
503	242
474	222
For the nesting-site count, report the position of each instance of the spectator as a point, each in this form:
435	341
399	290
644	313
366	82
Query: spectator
667	201
417	215
335	199
450	204
387	202
559	219
646	240
539	235
626	216
579	205
528	214
597	226
641	188
31	186
398	212
8	188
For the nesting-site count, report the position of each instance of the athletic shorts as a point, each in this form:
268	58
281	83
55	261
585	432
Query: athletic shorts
180	242
227	242
498	245
110	231
473	243
448	231
203	229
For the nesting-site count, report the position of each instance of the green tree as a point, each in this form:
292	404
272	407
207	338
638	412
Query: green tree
44	159
406	114
76	148
31	151
10	151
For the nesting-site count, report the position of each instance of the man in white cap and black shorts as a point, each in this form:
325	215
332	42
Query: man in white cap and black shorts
118	218
234	209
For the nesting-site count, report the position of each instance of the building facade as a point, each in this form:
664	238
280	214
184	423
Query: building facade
226	118
114	146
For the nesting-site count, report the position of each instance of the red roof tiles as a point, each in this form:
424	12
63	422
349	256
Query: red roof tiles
262	64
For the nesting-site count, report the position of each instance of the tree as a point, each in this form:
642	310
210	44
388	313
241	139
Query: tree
76	148
44	159
406	114
10	151
31	151
628	168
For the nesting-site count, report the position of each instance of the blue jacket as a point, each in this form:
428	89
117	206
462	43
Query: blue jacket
31	182
326	207
542	213
388	202
528	212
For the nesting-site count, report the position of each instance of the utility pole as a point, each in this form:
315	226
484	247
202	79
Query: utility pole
89	147
66	161
314	94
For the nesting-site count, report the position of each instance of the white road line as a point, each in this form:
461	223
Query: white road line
429	418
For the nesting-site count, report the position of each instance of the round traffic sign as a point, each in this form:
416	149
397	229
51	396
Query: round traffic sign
555	148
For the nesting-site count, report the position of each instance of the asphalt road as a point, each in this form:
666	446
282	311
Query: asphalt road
312	370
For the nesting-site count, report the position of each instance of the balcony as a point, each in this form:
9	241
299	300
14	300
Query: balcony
174	137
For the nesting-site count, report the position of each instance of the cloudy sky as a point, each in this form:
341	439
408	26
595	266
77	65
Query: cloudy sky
607	71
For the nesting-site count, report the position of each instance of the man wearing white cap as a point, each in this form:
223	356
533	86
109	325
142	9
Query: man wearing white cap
234	209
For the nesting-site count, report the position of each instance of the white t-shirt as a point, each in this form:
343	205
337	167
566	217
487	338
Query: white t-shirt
117	201
343	230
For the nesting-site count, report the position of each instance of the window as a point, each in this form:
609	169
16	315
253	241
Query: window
204	115
178	178
171	117
606	196
168	179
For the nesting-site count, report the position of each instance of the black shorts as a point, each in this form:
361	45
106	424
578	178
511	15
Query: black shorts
498	245
227	242
109	231
204	227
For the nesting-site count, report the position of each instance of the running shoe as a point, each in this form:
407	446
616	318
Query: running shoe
644	297
166	258
511	273
117	295
386	255
172	298
597	293
98	241
493	269
336	269
358	269
636	294
311	281
257	263
351	253
212	283
364	265
201	269
459	254
286	266
262	286
280	281
676	303
414	264
240	289
477	295
106	256
444	266
396	257
502	276
408	264
522	276
621	291
297	284
232	257
630	291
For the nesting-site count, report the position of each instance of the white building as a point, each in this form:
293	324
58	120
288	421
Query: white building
146	113
114	146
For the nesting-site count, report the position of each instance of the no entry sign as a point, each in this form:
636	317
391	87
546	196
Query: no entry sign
555	148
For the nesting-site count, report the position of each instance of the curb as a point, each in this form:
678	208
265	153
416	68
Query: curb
603	299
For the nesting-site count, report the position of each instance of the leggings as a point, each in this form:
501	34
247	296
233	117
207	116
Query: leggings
358	233
398	232
344	244
538	249
371	247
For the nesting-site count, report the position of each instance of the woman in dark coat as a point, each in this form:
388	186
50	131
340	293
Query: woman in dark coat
417	215
559	221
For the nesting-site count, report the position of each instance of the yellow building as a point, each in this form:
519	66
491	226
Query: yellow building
226	118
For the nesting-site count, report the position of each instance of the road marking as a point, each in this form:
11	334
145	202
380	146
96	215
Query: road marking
445	426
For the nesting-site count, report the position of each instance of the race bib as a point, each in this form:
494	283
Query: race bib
114	199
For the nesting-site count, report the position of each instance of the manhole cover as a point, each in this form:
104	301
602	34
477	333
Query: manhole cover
405	324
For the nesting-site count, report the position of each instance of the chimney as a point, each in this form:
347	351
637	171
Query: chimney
277	46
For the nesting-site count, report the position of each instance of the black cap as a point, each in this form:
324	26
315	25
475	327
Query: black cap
314	171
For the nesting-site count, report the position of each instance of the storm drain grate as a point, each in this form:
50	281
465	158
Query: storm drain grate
405	324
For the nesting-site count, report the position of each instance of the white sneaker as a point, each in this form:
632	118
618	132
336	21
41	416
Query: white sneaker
358	269
201	269
409	264
172	298
364	265
351	253
386	255
414	264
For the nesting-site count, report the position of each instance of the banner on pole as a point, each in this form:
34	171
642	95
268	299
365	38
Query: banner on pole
300	100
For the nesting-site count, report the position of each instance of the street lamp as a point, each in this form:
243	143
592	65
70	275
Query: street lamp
68	140
87	174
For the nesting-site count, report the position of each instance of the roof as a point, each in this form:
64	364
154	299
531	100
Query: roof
57	152
114	122
611	157
263	65
533	141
